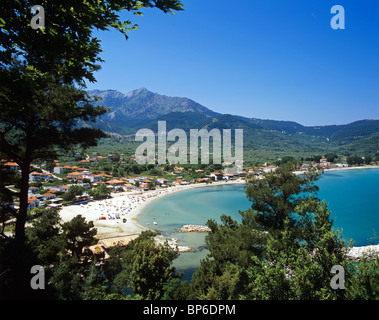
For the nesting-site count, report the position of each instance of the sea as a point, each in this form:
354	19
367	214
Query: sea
352	196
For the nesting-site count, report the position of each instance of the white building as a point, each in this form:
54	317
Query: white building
33	202
36	176
58	170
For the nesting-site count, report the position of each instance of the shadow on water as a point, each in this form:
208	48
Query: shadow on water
188	273
329	174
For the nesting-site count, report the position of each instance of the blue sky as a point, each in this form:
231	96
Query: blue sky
268	59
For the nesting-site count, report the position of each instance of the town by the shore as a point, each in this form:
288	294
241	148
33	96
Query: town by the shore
116	217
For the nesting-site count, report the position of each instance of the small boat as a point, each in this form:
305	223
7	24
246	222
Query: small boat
155	223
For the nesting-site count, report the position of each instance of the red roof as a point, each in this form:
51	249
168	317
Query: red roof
11	164
32	199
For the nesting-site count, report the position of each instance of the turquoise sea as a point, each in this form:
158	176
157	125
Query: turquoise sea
352	196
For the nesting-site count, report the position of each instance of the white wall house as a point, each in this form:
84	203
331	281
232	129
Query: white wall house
58	170
36	176
33	202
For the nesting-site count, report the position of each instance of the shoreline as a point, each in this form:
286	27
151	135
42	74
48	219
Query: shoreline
131	205
128	206
344	168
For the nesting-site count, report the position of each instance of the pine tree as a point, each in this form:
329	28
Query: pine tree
42	75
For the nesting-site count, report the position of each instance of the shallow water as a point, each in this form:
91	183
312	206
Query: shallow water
352	196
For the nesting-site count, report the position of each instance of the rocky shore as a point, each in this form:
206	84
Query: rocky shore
356	253
194	228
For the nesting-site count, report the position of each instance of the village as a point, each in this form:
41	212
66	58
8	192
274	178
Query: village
49	187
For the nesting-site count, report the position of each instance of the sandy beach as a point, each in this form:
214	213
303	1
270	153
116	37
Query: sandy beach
108	215
344	168
117	216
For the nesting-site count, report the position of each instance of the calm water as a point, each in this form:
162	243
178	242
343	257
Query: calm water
352	196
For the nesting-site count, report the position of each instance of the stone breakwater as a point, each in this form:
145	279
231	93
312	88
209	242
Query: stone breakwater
194	228
356	253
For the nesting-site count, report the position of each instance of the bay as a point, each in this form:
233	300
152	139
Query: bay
351	195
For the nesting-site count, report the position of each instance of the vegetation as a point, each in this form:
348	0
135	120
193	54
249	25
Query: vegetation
283	248
140	270
101	192
260	136
42	76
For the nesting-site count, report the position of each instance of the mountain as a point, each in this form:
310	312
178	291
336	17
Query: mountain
347	132
139	107
142	108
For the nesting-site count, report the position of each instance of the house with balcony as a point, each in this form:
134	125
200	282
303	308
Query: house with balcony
37	176
33	202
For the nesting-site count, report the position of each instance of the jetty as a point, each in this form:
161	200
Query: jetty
194	228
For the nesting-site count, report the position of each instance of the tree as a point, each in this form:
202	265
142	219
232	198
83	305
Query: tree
75	259
66	47
146	267
299	267
49	123
351	160
368	159
275	197
7	176
62	250
330	157
100	192
286	159
79	235
283	248
42	76
73	192
365	285
43	237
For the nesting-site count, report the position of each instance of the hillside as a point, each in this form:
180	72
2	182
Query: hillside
137	108
143	109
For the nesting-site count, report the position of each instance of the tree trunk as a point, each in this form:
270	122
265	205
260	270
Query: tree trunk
21	269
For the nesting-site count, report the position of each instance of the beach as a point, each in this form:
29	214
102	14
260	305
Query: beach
108	215
117	216
343	168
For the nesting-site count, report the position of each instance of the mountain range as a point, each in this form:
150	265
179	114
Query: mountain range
142	108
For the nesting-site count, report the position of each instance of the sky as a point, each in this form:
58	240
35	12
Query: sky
267	59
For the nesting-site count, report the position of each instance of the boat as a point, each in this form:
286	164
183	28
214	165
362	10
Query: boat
155	223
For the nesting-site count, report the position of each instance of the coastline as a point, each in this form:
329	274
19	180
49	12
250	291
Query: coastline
134	203
344	168
129	206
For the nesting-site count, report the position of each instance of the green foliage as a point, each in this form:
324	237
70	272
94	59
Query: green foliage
355	160
264	140
66	46
100	192
42	76
283	248
365	285
73	192
44	237
275	197
79	235
146	267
